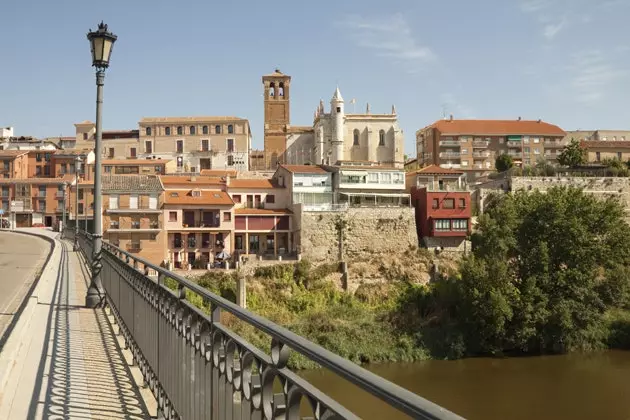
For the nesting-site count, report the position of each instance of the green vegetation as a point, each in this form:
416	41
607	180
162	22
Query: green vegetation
572	155
503	162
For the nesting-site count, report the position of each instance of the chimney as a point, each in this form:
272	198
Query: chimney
539	120
451	118
519	118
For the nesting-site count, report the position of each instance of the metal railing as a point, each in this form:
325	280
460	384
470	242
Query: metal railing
198	368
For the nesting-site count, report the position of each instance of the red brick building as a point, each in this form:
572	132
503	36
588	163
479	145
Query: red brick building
443	206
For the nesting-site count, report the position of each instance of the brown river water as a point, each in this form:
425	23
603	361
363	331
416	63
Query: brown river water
578	386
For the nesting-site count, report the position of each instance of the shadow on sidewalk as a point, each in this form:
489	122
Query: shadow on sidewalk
87	375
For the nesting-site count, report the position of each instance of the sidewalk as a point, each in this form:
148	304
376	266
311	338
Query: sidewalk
63	359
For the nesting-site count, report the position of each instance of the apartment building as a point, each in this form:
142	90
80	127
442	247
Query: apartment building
597	151
13	164
473	145
443	206
133	215
26	143
308	185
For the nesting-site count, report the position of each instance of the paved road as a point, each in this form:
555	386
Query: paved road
21	257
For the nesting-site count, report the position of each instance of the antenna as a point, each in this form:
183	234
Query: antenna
444	109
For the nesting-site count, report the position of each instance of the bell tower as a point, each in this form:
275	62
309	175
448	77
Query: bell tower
277	116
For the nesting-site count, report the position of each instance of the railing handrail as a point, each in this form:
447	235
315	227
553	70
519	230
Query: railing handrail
401	398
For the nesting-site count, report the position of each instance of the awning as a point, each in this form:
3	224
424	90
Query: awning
353	173
375	194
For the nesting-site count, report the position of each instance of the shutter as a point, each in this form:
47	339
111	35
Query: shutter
153	201
133	201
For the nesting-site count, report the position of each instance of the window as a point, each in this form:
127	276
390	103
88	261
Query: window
148	146
272	89
205	145
132	152
107	169
238	242
460	224
38	170
111	152
230	160
133	201
148	131
167	131
230	145
180	146
230	129
386	178
85	136
448	203
526	149
281	89
254	243
381	138
80	194
372	178
172	216
204	129
355	138
536	140
462	203
217	129
338	109
597	156
227	216
271	199
60	205
180	130
47	156
236	198
436	203
80	208
192	130
113	201
442	224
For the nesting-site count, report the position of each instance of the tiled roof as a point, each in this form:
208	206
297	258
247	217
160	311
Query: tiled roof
205	197
304	169
184	120
12	153
131	183
135	161
497	127
42	181
219	172
262	211
277	73
605	144
252	183
435	170
188	180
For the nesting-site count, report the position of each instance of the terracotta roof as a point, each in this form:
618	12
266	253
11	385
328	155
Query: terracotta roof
188	180
605	144
205	197
131	183
252	183
12	153
497	127
262	211
86	122
65	179
219	172
277	73
304	169
183	120
135	161
435	170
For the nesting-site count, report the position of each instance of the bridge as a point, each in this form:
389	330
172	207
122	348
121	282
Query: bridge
158	346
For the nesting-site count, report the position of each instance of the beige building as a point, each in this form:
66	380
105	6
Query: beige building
598	151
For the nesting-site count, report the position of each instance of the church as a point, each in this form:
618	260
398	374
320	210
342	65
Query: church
335	136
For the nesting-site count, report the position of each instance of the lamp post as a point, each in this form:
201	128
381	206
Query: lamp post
63	224
77	167
101	43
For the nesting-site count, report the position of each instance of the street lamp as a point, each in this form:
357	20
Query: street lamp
101	44
77	167
63	224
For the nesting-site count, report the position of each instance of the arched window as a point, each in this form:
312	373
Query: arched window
355	141
167	131
381	138
192	130
281	89
230	129
272	89
217	129
148	131
180	130
204	129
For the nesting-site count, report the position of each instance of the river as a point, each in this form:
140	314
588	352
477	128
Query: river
577	386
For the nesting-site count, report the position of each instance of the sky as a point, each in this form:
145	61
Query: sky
564	61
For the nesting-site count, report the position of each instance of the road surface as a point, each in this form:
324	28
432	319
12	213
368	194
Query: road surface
21	258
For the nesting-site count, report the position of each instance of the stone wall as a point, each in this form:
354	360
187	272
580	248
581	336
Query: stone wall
601	187
367	232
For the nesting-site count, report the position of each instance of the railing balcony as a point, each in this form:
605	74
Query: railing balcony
514	143
443	188
135	225
450	143
114	225
138	209
192	242
200	225
450	155
481	143
481	154
553	143
40	194
450	165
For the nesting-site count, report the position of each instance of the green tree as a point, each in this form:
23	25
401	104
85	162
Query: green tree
503	162
544	268
572	155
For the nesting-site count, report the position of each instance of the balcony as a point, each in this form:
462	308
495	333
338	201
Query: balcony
450	155
481	143
138	209
201	225
481	155
451	165
557	144
154	227
134	247
40	194
514	143
450	143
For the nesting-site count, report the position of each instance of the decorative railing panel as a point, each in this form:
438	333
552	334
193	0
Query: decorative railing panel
197	368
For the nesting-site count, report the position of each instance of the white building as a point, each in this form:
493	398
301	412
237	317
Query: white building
308	185
6	132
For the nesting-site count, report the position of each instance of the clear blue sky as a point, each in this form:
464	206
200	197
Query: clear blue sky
565	61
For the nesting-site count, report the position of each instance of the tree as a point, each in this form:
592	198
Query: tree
572	155
503	162
544	268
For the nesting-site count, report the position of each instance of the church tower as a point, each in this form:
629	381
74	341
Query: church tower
337	112
277	110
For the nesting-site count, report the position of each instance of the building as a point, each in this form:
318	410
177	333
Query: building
443	206
334	136
308	185
132	215
26	143
597	151
13	164
137	166
6	132
473	145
